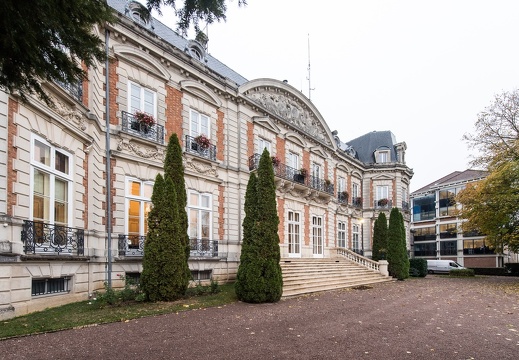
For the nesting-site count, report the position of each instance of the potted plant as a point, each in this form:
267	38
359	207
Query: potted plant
203	141
144	119
344	196
383	202
327	182
303	172
275	160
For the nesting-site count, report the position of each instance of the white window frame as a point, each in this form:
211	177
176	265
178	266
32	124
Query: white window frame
264	144
355	190
145	106
294	233
53	174
317	236
341	184
145	205
383	156
317	171
382	192
355	238
341	234
199	124
200	210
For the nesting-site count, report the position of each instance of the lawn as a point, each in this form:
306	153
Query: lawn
87	313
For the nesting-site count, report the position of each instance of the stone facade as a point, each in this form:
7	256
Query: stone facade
188	96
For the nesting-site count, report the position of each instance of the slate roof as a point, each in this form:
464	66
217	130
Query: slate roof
367	144
453	178
173	38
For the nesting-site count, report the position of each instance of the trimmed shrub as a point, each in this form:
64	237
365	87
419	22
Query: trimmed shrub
512	269
462	272
418	267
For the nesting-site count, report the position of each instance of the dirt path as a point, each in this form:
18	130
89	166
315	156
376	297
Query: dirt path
432	318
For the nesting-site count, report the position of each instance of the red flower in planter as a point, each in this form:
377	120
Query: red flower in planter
203	141
144	118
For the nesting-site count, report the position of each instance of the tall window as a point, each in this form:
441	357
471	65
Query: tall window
341	234
382	192
341	184
199	216
138	203
382	156
142	99
355	238
264	144
199	124
294	233
51	184
355	190
316	171
317	235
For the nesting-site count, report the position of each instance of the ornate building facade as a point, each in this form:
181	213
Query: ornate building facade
76	179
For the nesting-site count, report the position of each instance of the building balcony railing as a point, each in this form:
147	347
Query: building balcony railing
288	173
356	202
42	238
133	245
383	204
74	89
131	126
205	151
405	205
203	248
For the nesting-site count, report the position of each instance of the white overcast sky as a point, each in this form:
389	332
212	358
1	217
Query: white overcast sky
421	69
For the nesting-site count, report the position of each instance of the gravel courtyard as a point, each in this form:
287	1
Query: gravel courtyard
435	317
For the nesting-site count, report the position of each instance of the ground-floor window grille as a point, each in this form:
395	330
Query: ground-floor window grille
50	286
198	275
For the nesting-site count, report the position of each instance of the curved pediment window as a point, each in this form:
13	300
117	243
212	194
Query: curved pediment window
196	50
382	155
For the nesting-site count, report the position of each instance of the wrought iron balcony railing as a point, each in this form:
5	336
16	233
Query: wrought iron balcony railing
383	204
74	89
203	248
356	202
133	245
288	173
130	125
207	151
43	238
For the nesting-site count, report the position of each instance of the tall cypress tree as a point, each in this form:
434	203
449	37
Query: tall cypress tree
397	252
174	169
380	238
246	276
261	279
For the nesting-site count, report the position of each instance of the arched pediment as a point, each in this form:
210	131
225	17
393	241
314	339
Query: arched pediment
141	59
290	105
201	91
295	138
319	152
343	167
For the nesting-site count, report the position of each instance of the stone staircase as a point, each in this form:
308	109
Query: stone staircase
304	276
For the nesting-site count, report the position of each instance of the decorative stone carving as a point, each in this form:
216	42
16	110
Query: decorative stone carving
293	112
71	114
139	150
201	168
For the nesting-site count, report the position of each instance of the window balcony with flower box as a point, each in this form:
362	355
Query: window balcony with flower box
300	177
43	238
356	202
203	248
201	146
383	204
73	89
143	129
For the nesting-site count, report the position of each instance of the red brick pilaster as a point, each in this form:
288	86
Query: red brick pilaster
12	154
250	139
85	84
174	121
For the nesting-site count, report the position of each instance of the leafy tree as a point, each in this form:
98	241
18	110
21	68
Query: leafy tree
260	275
397	250
491	206
174	169
47	40
380	238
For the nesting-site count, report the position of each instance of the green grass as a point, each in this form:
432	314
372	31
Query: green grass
83	314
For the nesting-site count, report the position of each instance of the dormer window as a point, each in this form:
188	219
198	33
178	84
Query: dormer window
196	50
382	156
139	13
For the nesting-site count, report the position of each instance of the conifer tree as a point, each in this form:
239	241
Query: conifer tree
244	285
380	238
174	169
397	252
261	279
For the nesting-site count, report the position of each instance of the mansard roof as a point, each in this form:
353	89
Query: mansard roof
366	145
174	39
